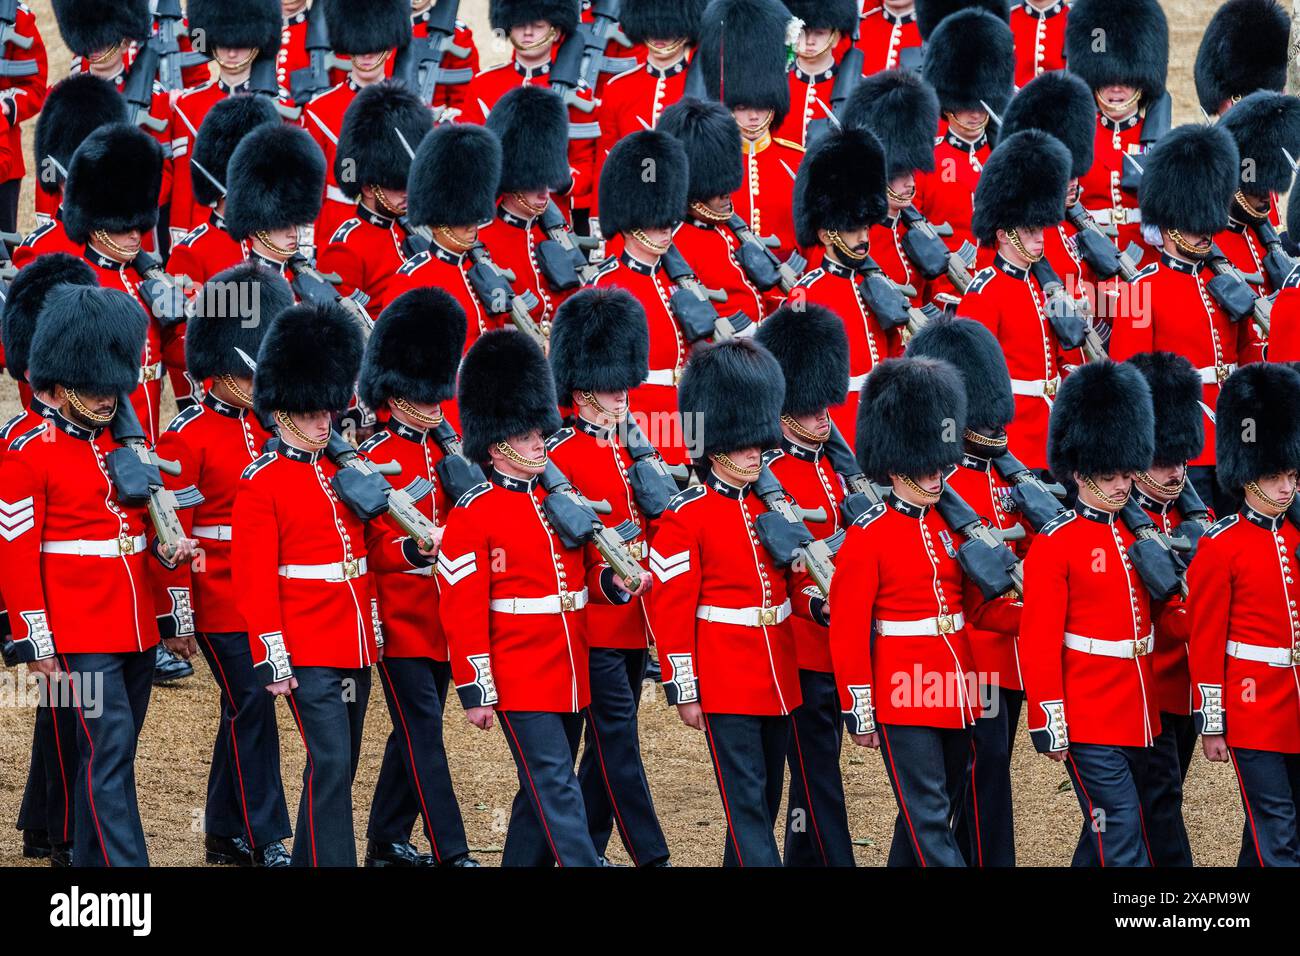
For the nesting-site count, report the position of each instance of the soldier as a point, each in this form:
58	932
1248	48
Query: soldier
22	94
533	128
813	352
1243	49
985	830
1243	655
447	95
301	580
720	610
711	138
293	55
408	371
828	27
1038	27
888	36
599	353
1021	195
742	59
68	537
839	196
245	818
1180	433
1127	79
371	166
643	214
209	247
1284	332
234	33
902	606
1188	184
511	599
1086	635
368	33
104	37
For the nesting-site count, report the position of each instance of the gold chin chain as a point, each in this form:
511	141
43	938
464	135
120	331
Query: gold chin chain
834	39
242	64
106	55
1170	491
1258	492
843	247
900	198
594	402
754	132
284	421
519	459
537	45
984	441
729	465
789	422
929	497
80	408
1248	207
708	215
667	49
460	245
1196	252
265	239
120	252
383	201
406	408
966	128
1113	502
241	396
532	210
1013	237
1122	110
658	248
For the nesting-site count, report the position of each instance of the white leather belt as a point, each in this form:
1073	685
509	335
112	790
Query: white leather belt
1108	216
663	376
110	548
1036	388
925	627
151	373
1126	650
335	572
744	616
1214	374
420	572
336	194
213	532
1273	656
857	381
551	604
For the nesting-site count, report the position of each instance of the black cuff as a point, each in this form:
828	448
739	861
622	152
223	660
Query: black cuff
156	550
264	674
1042	741
817	607
611	589
471	695
411	552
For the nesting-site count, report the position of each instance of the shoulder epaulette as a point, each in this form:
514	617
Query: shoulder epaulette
22	440
342	232
771	455
38	232
1223	524
184	417
468	497
683	498
258	464
413	263
789	143
1293	280
981	279
603	269
870	515
375	440
618	76
1147	271
1060	521
808	278
193	235
558	439
10	425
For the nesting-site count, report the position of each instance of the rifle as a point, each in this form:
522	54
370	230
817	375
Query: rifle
1196	517
1102	255
1277	264
860	494
692	303
984	555
760	263
1068	315
847	77
1039	503
652	480
931	257
419	63
8	242
560	257
787	539
319	289
1160	569
456	472
136	473
1157	118
164	292
581	59
138	88
170	27
576	523
361	485
888	301
492	285
1230	289
262	81
9	34
314	78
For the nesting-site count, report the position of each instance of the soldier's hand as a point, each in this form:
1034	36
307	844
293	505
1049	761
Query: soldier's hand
432	550
282	688
640	588
692	715
186	548
1215	747
871	740
1058	755
480	717
46	666
184	647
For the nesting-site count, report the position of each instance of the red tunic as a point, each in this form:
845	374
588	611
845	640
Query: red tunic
1284	333
207	250
323	119
948	193
1039	37
631	102
886	244
44	239
1244	250
365	252
293	55
766	195
450	95
710	248
883	36
1102	195
22	96
513	243
1173	624
445	270
188	112
810	98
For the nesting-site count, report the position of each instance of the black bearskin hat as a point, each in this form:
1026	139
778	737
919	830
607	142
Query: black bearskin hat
367	26
735	391
308	361
369	152
505	390
454	177
1102	423
971	58
532	124
911	418
1188	180
643	20
599	343
839	15
1061	104
903	111
1242	50
228	122
1119	41
810	344
87	339
643	184
1023	185
232	311
1264	124
1176	399
275	179
74	108
504	15
840	185
1257	424
234	24
711	137
114	179
974	351
414	350
88	26
26	297
930	13
742	55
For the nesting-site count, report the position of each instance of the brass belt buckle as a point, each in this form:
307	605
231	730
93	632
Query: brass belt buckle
351	569
1050	386
1142	646
767	616
677	376
148	373
946	623
1295	653
566	601
125	544
1221	372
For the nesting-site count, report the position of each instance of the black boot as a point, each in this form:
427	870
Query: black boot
273	854
228	851
465	860
61	856
396	854
168	667
36	844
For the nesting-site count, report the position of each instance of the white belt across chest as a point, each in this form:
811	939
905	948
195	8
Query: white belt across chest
925	627
109	548
744	616
213	532
1036	388
663	376
550	604
857	381
1107	216
151	373
1215	374
335	572
337	195
1126	650
1273	656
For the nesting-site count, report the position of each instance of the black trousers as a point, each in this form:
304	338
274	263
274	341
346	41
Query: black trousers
329	706
245	791
1270	794
611	774
1162	804
748	754
816	819
10	191
927	769
110	693
548	822
986	828
1110	783
48	806
414	779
